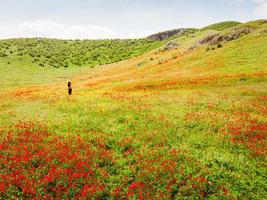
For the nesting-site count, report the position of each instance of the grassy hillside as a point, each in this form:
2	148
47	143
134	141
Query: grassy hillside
184	121
64	53
222	26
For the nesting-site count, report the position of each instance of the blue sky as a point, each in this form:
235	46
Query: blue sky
95	19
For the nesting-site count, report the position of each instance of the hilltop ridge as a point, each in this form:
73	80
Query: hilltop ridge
43	52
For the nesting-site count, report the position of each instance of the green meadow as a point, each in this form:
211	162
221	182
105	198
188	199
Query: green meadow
144	121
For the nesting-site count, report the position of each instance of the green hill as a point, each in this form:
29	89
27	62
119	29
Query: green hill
222	25
69	53
65	53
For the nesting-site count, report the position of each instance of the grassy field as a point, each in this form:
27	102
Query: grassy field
181	123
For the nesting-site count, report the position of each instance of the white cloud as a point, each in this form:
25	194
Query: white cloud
261	7
261	10
259	1
255	1
53	29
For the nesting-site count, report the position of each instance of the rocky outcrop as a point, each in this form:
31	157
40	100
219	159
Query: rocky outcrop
209	39
165	35
216	38
171	45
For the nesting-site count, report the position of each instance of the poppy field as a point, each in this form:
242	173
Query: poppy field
168	124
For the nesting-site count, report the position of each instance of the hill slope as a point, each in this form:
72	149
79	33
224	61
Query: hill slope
186	120
64	53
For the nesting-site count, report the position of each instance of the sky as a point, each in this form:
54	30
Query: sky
98	19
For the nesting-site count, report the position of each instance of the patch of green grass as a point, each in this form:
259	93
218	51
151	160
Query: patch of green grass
222	25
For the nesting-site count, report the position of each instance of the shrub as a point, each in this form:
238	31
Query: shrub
219	45
2	54
174	56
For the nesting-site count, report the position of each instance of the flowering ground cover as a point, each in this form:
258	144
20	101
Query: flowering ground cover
36	164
